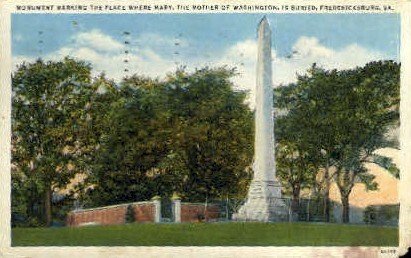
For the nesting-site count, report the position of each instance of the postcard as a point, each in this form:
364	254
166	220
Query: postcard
205	128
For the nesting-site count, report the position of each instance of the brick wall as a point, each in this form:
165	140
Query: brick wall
144	212
111	215
192	212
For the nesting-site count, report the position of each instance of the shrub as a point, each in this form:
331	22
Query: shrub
382	214
130	214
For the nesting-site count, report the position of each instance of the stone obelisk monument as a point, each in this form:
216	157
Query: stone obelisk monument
263	200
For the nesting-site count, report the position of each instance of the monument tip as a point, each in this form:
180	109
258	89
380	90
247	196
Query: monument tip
263	21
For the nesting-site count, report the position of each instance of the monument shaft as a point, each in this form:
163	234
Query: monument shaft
264	201
264	166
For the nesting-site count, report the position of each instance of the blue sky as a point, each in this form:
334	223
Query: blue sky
160	42
374	31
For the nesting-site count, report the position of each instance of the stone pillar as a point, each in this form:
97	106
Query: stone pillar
176	208
264	201
157	208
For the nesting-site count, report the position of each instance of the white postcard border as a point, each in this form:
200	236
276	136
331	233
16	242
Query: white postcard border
8	7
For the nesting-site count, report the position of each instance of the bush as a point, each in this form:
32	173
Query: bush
130	214
382	214
201	217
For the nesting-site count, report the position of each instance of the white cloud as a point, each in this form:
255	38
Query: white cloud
310	46
97	40
107	54
17	60
243	56
306	51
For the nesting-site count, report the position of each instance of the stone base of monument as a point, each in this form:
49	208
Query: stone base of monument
264	203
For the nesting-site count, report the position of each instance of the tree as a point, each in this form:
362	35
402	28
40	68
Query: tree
217	135
296	170
343	117
296	162
132	143
49	110
304	114
371	108
190	134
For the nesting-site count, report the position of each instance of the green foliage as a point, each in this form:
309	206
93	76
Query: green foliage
190	134
381	215
385	163
338	119
295	167
130	218
49	109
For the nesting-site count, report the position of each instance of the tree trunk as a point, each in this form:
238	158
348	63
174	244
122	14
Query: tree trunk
295	203
47	206
345	209
327	203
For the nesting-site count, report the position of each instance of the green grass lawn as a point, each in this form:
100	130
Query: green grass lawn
210	234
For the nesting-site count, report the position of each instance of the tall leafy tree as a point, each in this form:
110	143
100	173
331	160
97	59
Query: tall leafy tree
370	107
217	135
133	142
49	109
304	119
343	117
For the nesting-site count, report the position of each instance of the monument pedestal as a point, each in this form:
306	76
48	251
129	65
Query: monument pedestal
263	203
